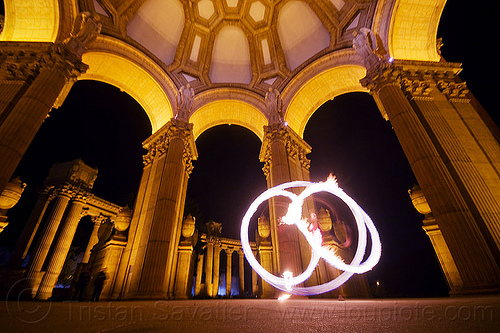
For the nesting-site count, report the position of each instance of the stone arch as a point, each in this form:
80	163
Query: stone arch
228	112
409	28
134	80
319	89
120	65
20	17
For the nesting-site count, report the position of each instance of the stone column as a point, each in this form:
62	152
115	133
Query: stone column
96	220
283	153
217	249
29	231
255	285
242	272
33	273
199	275
52	68
131	263
209	267
455	175
61	248
177	142
229	257
39	73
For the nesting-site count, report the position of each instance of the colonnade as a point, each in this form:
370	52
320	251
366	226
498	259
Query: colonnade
208	264
451	149
59	208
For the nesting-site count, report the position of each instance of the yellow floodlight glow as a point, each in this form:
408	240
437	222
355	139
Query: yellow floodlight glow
133	80
232	112
321	88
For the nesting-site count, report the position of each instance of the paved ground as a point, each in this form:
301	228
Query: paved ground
479	314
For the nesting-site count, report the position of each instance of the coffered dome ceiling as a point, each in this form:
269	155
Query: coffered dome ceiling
250	43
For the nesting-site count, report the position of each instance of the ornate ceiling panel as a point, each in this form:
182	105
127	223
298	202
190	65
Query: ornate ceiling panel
254	44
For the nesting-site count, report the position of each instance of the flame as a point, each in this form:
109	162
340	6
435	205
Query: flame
332	180
283	297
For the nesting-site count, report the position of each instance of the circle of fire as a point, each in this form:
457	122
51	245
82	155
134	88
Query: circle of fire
313	236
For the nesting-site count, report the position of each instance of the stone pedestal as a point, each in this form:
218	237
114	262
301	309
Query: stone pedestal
266	261
184	271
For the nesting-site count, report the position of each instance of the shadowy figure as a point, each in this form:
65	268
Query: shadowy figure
98	284
80	285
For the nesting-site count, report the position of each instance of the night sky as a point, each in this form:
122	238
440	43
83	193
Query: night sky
350	139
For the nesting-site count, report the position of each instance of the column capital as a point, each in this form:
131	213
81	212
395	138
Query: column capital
412	76
296	147
20	61
158	143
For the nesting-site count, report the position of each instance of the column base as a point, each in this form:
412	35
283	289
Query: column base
475	290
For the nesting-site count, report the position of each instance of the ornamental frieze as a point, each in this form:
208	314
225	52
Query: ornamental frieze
416	88
415	78
453	89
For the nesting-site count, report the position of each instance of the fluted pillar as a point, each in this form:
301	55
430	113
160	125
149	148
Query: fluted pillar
455	174
96	220
255	285
31	227
33	272
199	275
174	146
241	261
215	287
61	248
229	265
284	154
209	267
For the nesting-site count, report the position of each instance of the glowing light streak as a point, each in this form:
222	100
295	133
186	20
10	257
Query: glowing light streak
287	275
313	236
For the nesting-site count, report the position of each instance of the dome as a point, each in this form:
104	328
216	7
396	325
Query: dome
250	43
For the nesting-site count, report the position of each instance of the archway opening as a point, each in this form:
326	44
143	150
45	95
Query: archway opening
351	140
97	123
226	178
